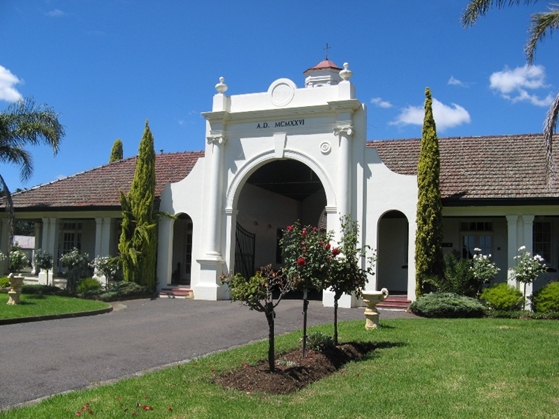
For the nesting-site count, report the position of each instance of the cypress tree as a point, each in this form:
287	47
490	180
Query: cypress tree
428	239
116	151
138	242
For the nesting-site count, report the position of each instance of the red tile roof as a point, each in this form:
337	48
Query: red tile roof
496	167
321	65
100	187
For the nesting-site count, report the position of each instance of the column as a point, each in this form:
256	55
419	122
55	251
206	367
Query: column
38	233
165	252
512	245
344	134
98	236
49	244
217	142
528	242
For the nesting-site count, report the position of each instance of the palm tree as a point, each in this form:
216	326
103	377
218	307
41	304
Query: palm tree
25	123
542	24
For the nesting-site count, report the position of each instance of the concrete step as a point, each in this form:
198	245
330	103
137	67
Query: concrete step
176	292
395	302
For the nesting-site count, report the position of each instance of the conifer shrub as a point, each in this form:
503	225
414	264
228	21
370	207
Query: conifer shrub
546	298
89	286
502	297
447	305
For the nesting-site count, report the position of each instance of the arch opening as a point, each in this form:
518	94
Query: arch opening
182	250
277	194
393	245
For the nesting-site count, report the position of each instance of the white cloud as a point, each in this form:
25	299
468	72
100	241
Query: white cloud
55	13
514	84
7	82
455	82
381	103
445	116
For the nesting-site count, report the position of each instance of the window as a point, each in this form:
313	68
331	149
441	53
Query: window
71	237
542	239
478	234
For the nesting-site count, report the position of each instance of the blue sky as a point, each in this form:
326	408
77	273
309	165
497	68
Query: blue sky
108	65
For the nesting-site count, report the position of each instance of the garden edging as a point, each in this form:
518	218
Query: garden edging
55	316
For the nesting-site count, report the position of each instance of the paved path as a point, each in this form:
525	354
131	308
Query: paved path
44	358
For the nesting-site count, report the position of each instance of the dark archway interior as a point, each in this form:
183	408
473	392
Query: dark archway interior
288	178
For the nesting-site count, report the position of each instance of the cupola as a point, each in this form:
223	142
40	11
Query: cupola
325	73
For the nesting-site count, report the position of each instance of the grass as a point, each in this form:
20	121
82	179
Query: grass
425	368
41	305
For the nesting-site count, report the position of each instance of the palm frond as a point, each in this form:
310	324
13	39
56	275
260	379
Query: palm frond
542	24
550	125
477	8
25	123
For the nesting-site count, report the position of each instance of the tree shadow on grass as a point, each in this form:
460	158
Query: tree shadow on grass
35	297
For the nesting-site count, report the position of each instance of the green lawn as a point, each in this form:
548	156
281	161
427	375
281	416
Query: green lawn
426	368
41	305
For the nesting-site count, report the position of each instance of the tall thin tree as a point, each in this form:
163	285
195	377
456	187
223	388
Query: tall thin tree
116	151
428	239
138	242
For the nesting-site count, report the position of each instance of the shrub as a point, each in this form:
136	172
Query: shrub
447	305
457	276
18	259
4	282
39	289
502	297
88	286
77	264
546	298
126	290
319	342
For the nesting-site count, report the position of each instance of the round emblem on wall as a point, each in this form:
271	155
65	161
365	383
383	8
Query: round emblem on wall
281	92
325	147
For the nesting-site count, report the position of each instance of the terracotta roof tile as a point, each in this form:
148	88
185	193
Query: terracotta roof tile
321	65
497	167
100	187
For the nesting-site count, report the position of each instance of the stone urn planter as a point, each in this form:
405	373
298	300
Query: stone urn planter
13	294
372	298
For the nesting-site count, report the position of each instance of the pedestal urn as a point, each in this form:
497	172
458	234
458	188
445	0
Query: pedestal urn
13	294
372	298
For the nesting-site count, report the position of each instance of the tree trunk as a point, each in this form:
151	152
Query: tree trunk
336	321
271	351
305	307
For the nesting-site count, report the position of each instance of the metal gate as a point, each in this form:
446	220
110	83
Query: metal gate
244	252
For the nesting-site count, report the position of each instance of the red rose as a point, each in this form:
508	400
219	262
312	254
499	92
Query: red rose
301	262
336	252
328	246
289	228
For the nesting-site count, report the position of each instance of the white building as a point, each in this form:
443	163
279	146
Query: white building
302	153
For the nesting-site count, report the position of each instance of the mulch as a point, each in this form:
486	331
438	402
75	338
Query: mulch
294	371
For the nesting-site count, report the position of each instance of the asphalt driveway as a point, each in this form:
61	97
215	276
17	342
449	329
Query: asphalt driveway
49	357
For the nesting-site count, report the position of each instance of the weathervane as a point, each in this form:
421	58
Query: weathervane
326	49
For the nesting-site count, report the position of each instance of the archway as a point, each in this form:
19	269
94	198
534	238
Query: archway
275	195
392	252
182	250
